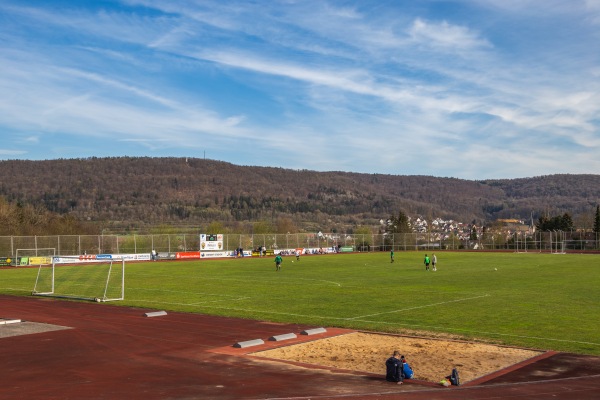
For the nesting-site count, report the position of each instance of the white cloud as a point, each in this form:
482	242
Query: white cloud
295	78
444	36
12	153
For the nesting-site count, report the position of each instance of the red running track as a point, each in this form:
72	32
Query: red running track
114	352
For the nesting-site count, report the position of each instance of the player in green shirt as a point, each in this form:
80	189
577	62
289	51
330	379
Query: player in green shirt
426	262
278	261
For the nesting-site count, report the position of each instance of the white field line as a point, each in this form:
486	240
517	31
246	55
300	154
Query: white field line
374	322
208	278
479	332
318	280
201	303
180	292
417	307
272	312
205	304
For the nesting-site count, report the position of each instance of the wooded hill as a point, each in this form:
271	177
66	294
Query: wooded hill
136	192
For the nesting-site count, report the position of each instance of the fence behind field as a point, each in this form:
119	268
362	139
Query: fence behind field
556	241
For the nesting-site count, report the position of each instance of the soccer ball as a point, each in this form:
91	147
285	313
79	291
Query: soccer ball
495	269
292	261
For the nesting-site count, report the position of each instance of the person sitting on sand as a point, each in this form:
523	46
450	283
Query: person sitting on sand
406	369
393	367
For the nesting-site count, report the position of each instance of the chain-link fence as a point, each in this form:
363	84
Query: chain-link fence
555	241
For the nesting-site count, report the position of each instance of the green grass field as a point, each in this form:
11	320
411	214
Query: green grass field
543	301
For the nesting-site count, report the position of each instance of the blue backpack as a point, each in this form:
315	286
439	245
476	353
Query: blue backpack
408	372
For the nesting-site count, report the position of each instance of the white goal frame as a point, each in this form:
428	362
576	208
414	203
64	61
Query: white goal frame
59	261
563	247
559	240
51	252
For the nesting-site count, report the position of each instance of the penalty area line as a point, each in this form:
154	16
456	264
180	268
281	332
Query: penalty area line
417	307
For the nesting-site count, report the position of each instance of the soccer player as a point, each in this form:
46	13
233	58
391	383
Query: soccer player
278	261
426	262
392	256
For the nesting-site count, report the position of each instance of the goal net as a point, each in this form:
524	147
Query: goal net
558	242
559	248
88	279
35	256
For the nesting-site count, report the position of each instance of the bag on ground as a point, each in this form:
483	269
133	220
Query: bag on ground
454	379
408	372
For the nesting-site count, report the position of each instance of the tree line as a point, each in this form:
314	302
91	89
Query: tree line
142	193
27	220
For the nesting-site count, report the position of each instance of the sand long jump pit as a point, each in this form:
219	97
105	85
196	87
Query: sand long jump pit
431	359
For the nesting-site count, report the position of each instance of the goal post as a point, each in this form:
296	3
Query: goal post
561	247
91	279
558	242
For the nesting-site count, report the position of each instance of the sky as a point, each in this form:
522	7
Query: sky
471	89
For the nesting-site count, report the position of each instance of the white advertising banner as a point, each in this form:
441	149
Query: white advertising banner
215	254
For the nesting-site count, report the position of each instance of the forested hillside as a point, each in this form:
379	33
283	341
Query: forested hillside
141	192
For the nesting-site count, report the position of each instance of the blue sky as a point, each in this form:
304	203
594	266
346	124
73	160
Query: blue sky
473	89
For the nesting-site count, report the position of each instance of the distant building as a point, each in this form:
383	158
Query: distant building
510	221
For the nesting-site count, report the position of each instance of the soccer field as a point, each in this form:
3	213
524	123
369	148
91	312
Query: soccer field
543	301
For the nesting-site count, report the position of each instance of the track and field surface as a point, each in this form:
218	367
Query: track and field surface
113	352
540	301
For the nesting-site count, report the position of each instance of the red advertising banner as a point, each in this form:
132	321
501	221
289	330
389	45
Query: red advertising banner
188	255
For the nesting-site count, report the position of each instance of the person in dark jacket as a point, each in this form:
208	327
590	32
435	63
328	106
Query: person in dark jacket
393	367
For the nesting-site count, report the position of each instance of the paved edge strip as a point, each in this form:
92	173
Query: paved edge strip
232	350
514	367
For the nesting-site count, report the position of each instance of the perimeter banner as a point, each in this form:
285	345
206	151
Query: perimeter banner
216	254
6	261
39	261
188	255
